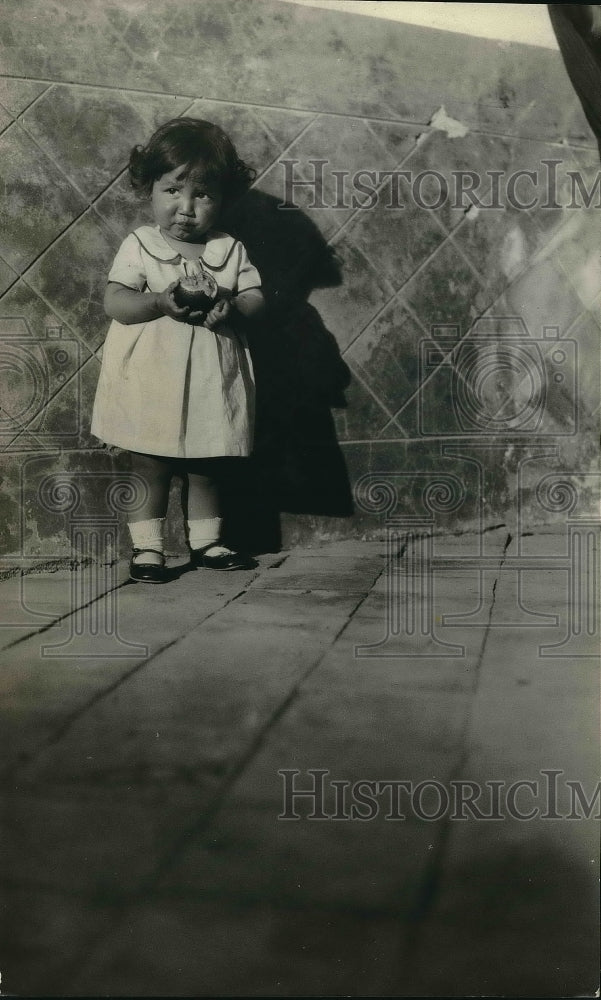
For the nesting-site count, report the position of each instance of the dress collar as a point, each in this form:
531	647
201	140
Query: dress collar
216	253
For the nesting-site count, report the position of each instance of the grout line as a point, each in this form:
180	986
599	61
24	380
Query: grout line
24	429
412	122
8	125
90	204
527	267
282	152
34	101
270	134
71	719
217	100
410	152
59	167
16	117
42	253
359	377
398	292
63	617
459	439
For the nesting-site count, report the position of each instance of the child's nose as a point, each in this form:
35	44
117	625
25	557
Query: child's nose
186	204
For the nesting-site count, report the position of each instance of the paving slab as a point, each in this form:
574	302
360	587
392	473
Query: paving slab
170	947
31	601
100	843
522	883
349	575
516	896
50	678
374	853
144	795
45	934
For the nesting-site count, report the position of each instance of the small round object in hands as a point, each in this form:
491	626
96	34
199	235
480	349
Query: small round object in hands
198	291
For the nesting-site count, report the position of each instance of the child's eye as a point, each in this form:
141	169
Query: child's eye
172	190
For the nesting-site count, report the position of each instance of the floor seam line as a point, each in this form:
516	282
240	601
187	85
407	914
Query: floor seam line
221	794
432	877
100	695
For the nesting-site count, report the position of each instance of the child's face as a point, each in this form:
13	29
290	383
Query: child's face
184	208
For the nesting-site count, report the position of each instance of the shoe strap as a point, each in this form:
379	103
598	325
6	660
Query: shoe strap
137	552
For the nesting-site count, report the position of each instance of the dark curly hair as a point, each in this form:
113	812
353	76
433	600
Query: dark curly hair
202	146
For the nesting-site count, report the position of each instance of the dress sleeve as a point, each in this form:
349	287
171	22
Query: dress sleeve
128	267
248	276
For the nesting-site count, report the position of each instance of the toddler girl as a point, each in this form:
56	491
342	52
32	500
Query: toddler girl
176	386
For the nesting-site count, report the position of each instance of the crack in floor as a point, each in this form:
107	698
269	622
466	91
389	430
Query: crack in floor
26	759
246	759
432	878
147	886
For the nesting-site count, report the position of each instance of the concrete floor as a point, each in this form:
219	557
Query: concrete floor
144	729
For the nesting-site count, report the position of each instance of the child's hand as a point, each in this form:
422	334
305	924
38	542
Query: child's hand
168	306
218	314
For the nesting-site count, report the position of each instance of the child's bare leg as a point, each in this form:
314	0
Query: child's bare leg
146	523
203	519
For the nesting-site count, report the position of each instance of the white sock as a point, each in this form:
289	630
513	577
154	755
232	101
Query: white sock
148	535
204	531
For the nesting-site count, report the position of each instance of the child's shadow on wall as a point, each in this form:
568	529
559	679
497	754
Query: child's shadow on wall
297	465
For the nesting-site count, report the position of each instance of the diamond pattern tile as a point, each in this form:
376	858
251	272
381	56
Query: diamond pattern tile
7	276
72	275
587	334
363	292
38	203
5	119
122	209
39	357
16	95
347	146
364	416
65	42
396	241
577	246
294	186
386	354
261	133
447	291
69	122
65	419
86	83
543	296
499	243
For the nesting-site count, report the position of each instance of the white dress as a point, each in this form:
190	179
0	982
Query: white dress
167	387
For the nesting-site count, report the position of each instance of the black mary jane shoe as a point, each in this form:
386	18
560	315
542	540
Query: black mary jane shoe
147	572
226	559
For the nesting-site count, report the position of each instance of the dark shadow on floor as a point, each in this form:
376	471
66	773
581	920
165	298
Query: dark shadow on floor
297	465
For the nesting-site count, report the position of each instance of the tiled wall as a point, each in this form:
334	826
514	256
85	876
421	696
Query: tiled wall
372	295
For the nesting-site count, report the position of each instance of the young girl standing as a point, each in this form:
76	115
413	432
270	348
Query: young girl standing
176	386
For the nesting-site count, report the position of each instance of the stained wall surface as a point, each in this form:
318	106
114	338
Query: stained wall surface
409	366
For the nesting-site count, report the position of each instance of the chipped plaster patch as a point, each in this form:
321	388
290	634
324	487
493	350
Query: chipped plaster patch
444	123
